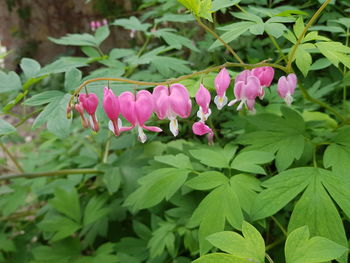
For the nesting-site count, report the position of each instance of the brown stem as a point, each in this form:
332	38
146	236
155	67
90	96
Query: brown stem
51	173
13	158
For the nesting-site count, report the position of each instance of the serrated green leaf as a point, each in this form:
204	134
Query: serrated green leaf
336	52
76	40
101	34
212	157
67	202
95	210
132	23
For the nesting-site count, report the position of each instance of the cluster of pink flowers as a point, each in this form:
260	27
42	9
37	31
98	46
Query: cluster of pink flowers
174	101
96	24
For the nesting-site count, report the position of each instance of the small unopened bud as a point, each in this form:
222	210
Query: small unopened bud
69	112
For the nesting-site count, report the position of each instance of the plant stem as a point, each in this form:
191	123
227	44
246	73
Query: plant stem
279	225
208	29
300	38
344	72
169	81
276	243
106	151
269	259
13	158
321	103
274	42
51	173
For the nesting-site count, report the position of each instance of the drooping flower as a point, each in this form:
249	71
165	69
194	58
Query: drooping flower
222	82
112	110
203	98
93	25
264	74
246	92
90	103
200	128
170	103
286	87
243	76
137	110
80	109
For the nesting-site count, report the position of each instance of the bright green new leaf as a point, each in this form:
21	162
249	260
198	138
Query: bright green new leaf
303	59
336	52
200	8
300	249
6	128
250	246
248	161
219	205
298	27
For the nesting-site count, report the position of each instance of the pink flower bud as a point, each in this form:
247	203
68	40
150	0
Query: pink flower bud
80	109
222	82
264	74
90	103
203	100
105	22
286	87
98	24
199	128
112	109
93	25
246	92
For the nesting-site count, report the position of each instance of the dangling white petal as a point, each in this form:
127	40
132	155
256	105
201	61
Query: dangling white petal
142	136
232	102
110	126
200	114
120	124
220	101
208	114
288	99
174	127
91	121
241	105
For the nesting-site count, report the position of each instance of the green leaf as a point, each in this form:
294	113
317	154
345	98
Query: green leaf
300	249
180	161
298	27
162	238
201	8
156	186
250	246
95	210
6	128
274	29
30	67
220	258
67	202
281	189
248	161
9	82
132	23
63	64
219	205
212	157
72	79
336	52
43	98
281	135
316	210
101	34
303	59
177	41
112	179
220	4
76	40
207	180
321	63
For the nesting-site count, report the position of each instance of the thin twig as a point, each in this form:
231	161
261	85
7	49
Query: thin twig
13	158
301	37
208	29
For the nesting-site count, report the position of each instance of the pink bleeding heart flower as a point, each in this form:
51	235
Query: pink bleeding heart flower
112	109
170	103
222	82
80	109
243	76
200	128
93	25
90	103
264	74
203	98
286	87
98	24
246	92
137	110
